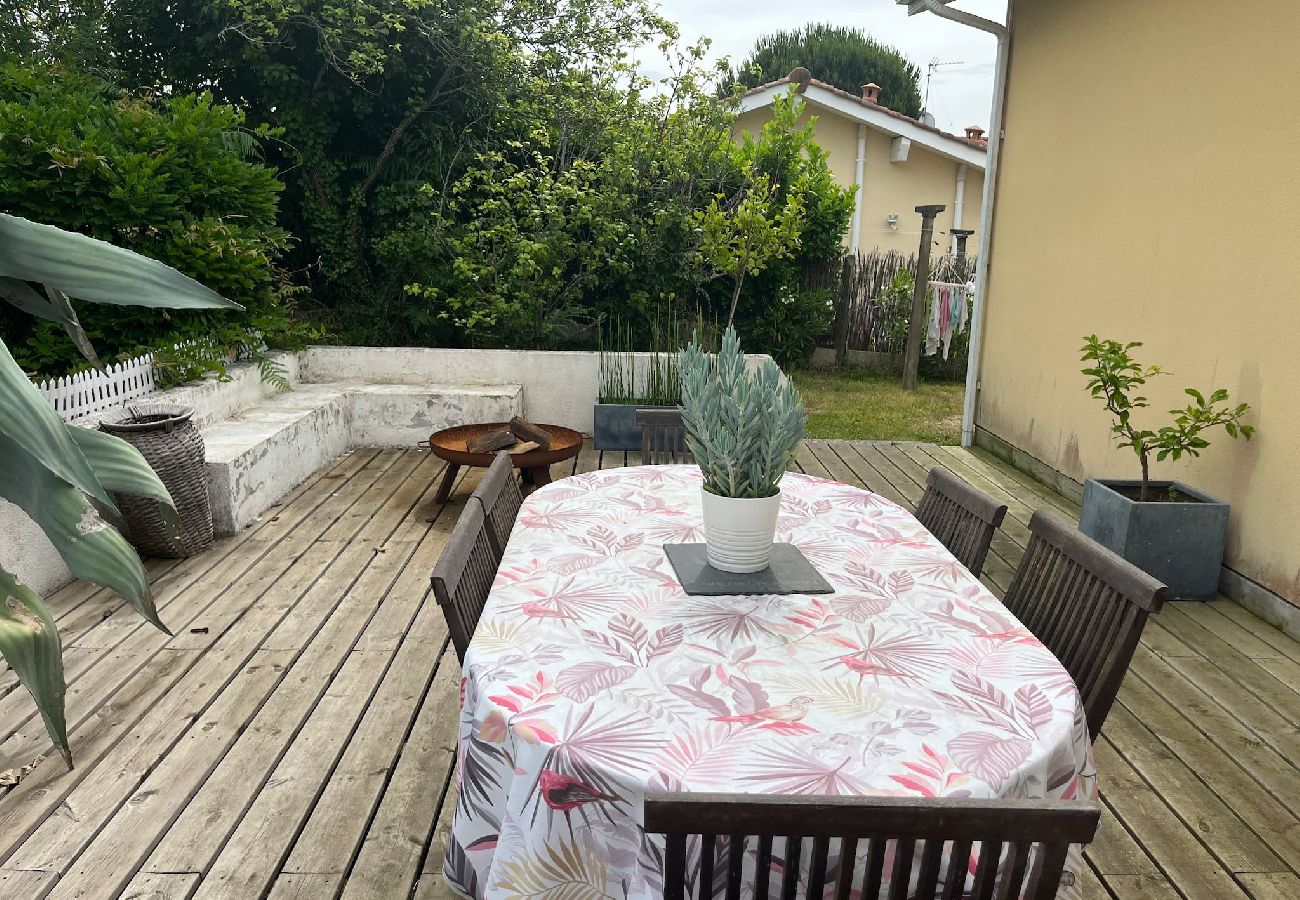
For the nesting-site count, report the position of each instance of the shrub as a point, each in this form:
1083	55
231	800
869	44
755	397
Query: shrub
1114	377
175	179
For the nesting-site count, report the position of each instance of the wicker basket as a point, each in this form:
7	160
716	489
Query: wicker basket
170	443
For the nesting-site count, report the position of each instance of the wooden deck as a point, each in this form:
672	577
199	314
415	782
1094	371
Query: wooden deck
295	737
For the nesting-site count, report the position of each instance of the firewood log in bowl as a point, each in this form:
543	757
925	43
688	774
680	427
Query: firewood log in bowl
449	445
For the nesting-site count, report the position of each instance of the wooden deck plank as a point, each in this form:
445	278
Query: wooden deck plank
866	474
408	816
809	464
1149	750
1269	634
1177	850
333	834
345	604
1271	885
1115	851
82	651
1250	674
163	886
156	727
25	884
1272	771
1139	887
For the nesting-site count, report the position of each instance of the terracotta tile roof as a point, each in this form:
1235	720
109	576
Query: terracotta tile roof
803	78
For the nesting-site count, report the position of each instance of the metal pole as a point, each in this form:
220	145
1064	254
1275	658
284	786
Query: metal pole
916	323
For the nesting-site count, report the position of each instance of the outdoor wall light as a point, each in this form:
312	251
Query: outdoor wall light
892	219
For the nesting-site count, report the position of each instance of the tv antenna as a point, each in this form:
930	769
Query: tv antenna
929	74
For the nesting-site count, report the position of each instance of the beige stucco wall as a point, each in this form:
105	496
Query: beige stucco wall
926	177
1150	191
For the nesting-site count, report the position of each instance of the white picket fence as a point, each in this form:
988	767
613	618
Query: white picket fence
92	391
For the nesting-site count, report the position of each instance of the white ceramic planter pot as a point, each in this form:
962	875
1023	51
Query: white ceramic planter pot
738	531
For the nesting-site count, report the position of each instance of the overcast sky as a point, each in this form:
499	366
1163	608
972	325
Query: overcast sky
960	95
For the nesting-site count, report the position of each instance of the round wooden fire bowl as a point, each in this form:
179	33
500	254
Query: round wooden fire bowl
449	444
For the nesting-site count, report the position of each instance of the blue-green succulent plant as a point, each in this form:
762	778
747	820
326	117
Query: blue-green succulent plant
743	427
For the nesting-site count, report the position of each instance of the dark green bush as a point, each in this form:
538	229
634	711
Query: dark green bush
175	178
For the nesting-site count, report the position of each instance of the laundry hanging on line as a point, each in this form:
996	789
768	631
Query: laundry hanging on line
948	308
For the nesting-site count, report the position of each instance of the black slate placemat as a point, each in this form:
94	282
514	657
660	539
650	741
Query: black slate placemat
788	573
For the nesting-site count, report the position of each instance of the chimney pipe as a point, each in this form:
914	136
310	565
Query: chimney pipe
974	133
871	93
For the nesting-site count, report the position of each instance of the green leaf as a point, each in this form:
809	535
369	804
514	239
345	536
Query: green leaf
92	548
120	467
30	422
29	642
96	271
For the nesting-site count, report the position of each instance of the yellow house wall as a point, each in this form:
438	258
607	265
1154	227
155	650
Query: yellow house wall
925	178
1150	191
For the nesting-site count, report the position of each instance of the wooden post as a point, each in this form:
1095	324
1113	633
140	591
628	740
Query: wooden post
916	323
961	235
844	307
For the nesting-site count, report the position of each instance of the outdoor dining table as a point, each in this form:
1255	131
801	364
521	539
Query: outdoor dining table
592	678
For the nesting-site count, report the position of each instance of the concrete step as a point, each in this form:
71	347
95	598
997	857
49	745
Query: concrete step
259	454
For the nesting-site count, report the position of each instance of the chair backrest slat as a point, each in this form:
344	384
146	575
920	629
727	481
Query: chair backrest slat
1086	604
499	496
463	576
961	517
1034	834
663	436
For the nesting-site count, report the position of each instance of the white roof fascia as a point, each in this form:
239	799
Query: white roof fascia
952	148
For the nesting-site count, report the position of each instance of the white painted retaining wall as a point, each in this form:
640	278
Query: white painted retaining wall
560	386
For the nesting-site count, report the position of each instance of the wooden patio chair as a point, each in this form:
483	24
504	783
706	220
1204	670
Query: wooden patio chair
499	496
961	517
663	437
931	842
1086	604
463	576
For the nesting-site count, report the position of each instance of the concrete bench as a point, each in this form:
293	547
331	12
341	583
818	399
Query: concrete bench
259	454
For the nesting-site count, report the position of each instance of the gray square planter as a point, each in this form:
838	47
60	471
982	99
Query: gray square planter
1179	543
615	425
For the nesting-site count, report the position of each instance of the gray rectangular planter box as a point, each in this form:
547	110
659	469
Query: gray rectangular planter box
1179	543
615	425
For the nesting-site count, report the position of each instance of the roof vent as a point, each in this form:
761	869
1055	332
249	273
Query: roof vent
871	93
974	133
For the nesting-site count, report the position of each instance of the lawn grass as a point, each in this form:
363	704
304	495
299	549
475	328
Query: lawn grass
864	406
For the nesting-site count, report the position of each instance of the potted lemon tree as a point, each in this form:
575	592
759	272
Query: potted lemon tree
1168	529
743	428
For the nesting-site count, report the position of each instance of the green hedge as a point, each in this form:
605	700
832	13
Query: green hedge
174	178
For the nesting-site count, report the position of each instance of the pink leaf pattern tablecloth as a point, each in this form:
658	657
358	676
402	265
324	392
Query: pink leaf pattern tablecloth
592	677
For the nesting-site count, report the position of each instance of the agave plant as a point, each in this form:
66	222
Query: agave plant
742	427
61	475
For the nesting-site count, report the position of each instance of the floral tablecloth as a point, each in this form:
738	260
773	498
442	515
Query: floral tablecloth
592	677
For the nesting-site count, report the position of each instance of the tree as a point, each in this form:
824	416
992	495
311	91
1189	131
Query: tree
844	57
741	237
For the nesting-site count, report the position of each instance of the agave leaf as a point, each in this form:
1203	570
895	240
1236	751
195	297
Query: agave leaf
30	643
96	271
92	548
29	421
120	467
56	308
24	296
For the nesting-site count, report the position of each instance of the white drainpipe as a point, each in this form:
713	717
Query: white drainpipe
855	228
959	201
1003	34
